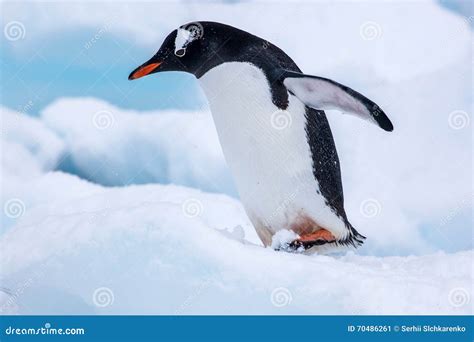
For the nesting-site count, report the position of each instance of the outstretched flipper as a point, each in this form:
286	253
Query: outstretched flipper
322	93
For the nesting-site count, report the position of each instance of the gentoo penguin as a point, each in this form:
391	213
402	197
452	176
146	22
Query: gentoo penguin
273	130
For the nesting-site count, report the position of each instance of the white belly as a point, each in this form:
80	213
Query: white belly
266	150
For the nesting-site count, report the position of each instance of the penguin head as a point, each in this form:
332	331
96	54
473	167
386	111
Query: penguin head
196	48
191	48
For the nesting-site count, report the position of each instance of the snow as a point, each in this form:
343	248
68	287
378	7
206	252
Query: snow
28	148
165	249
283	238
81	248
163	146
78	237
33	136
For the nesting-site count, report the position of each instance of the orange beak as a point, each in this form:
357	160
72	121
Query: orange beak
143	71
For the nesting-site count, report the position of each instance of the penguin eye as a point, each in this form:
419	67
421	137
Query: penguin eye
180	52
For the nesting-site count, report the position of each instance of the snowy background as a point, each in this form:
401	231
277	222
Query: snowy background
116	198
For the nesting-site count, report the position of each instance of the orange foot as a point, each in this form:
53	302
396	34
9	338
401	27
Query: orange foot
319	237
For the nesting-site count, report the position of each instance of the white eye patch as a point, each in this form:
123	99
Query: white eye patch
185	36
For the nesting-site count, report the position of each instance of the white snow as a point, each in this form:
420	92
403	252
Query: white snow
28	148
33	136
80	248
163	146
282	238
162	249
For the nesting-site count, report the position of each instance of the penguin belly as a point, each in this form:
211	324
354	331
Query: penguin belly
268	153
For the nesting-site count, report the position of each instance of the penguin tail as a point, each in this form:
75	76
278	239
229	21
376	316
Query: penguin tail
354	238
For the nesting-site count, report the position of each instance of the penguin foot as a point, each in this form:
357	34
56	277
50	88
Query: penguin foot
317	238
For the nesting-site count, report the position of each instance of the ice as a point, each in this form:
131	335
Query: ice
31	135
282	238
161	249
113	146
28	148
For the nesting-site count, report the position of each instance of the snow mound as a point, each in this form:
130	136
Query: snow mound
28	148
29	137
157	249
113	146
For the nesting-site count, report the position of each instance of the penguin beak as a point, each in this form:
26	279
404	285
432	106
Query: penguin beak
143	70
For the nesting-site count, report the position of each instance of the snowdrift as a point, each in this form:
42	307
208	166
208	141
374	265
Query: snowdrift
27	140
27	149
153	147
155	249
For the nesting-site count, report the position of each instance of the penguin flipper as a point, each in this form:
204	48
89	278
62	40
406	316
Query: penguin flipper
322	93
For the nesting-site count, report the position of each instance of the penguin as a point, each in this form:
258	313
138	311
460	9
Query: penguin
273	131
